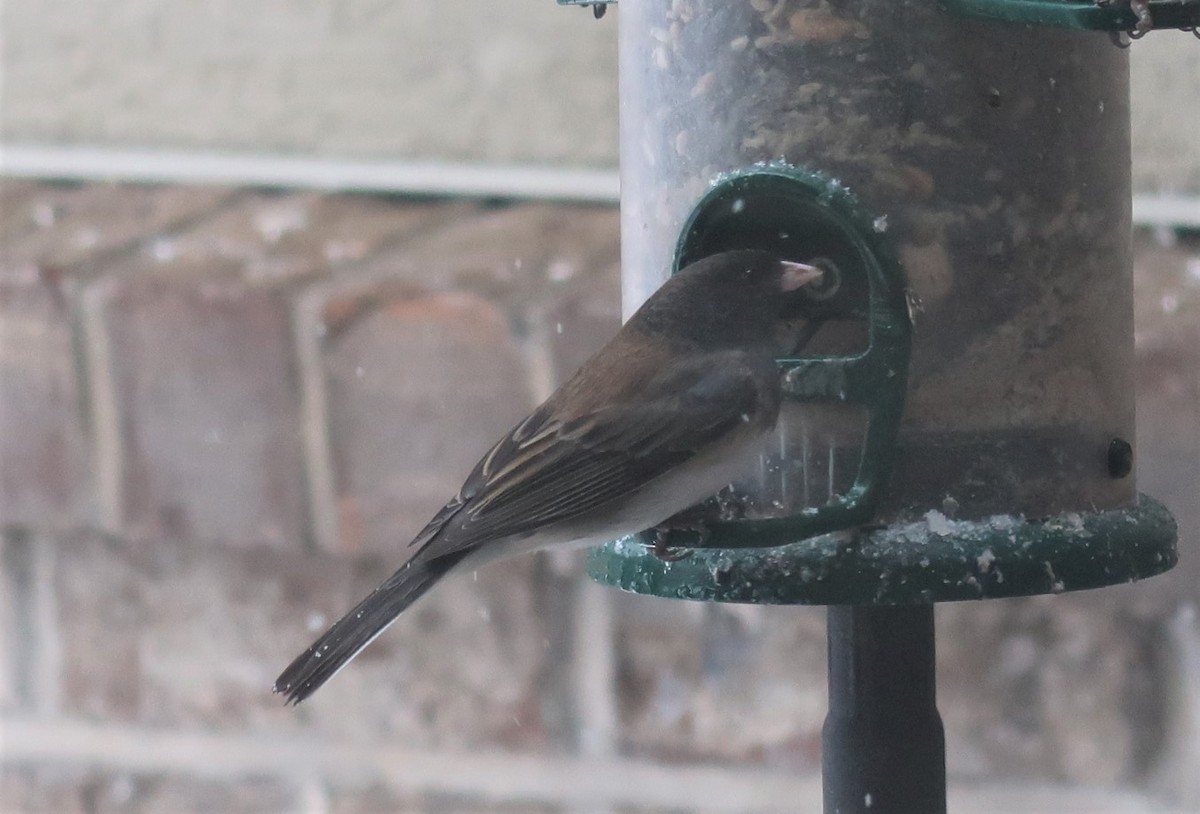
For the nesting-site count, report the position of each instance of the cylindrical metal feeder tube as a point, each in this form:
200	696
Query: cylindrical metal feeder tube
996	159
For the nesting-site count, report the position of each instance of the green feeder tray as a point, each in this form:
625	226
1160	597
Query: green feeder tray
932	560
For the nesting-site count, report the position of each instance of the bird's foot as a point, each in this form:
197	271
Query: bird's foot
668	552
856	536
1140	9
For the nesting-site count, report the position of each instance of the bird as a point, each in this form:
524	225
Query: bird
665	415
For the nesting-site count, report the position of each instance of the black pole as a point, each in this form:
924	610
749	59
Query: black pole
884	751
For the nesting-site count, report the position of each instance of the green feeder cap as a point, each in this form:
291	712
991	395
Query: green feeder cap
1088	15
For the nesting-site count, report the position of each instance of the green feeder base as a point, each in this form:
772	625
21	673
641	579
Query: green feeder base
933	560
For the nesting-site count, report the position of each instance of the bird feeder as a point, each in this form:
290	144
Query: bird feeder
961	423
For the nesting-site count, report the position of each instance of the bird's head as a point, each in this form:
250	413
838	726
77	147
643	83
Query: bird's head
736	299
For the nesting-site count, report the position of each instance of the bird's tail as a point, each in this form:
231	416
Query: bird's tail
359	627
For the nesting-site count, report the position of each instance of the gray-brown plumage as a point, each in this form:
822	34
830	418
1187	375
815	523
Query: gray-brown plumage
664	416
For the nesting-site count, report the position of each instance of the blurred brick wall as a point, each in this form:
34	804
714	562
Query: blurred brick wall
224	412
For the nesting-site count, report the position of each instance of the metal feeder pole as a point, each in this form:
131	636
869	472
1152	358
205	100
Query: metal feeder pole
884	749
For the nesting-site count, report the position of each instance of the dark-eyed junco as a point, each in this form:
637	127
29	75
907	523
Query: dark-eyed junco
665	415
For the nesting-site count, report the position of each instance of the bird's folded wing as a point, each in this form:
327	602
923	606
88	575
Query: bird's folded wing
546	472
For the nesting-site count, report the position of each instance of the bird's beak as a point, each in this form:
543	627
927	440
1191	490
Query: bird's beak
798	274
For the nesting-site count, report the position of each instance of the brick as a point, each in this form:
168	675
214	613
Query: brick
205	406
183	636
14	615
419	388
557	583
196	337
29	667
125	614
62	225
726	683
563	266
461	669
284	237
197	330
1067	687
1168	459
42	790
376	799
69	790
582	321
1167	370
424	323
43	454
1054	687
521	256
16	214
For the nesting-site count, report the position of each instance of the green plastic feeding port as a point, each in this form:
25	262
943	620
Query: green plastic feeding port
806	216
852	545
1090	15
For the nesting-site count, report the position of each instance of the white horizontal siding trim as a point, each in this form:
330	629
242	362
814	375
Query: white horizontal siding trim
82	163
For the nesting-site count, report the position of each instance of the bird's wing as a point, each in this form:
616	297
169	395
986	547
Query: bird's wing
547	471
